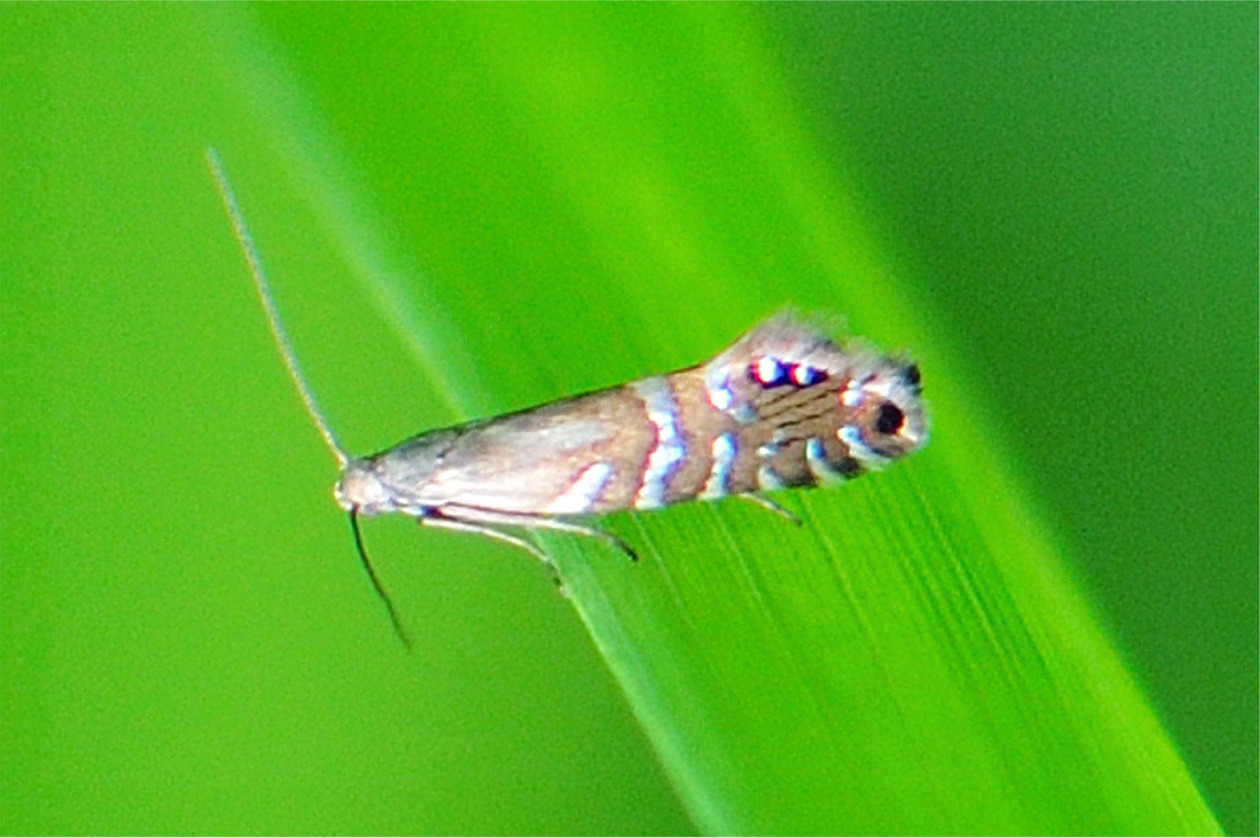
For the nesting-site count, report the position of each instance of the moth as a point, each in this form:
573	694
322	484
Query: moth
784	406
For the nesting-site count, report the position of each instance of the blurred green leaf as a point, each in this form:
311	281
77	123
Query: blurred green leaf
473	209
915	660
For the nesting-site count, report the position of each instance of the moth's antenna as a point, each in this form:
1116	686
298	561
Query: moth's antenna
376	583
269	305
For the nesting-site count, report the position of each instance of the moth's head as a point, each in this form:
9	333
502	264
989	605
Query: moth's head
886	418
361	489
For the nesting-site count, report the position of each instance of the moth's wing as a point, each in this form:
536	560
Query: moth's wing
734	378
789	337
527	463
873	398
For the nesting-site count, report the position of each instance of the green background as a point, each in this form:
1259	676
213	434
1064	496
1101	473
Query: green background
1067	193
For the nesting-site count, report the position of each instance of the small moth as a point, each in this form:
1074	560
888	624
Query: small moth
784	406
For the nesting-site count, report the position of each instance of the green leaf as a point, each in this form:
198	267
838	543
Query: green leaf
916	659
469	209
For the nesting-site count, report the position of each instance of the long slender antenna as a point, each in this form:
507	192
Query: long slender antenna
376	583
269	305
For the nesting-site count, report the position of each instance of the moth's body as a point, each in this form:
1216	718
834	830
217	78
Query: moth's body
782	407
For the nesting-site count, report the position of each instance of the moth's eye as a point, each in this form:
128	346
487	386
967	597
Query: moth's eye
911	375
890	419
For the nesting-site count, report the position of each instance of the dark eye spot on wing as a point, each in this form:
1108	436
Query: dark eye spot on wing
890	419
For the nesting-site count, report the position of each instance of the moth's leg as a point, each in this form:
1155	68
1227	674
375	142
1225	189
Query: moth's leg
460	525
766	503
593	532
498	535
533	522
